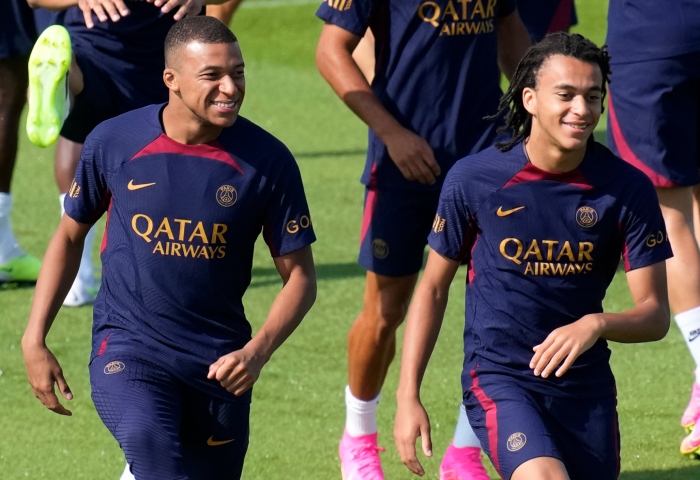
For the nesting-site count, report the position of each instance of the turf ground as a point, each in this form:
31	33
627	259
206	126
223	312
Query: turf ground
298	407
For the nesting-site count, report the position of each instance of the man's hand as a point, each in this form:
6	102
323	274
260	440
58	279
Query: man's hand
565	344
412	155
412	422
43	371
186	8
237	371
104	9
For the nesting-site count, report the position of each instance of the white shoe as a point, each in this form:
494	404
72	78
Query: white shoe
81	293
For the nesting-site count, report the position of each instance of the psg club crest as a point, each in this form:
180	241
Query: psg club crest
226	195
586	217
516	441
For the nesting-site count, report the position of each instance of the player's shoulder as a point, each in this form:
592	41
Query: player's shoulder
613	171
250	141
490	168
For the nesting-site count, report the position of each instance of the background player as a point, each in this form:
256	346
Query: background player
437	76
654	124
538	286
547	16
17	35
118	63
188	187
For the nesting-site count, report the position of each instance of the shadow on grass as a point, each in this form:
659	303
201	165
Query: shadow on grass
685	473
263	277
330	153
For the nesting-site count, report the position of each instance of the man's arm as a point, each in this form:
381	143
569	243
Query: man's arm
58	270
239	370
411	154
513	42
422	329
647	321
116	9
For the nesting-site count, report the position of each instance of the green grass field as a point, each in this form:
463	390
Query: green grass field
298	408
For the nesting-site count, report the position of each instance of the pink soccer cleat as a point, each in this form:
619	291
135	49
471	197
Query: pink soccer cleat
692	411
691	444
462	464
359	457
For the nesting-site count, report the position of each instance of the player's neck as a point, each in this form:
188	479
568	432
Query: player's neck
183	127
550	157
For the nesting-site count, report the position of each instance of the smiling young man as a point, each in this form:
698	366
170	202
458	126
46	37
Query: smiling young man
542	221
188	186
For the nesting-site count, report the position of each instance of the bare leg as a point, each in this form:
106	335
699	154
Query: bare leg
372	338
541	468
13	88
225	11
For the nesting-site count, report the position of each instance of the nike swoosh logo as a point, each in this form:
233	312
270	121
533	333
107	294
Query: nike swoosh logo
132	186
214	443
502	213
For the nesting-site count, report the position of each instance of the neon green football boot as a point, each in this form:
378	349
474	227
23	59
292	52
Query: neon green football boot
23	268
48	86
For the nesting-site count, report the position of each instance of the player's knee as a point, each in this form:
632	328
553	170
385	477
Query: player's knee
387	316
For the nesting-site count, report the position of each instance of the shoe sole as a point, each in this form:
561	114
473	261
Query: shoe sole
20	270
48	66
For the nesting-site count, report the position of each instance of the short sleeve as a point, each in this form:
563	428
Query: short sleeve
644	232
287	226
351	15
88	197
454	228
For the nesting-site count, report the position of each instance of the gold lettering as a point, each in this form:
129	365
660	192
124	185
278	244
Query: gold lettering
432	19
199	232
181	234
550	247
159	248
203	252
490	10
460	28
222	252
566	250
149	223
189	250
534	249
292	226
579	267
450	10
175	250
570	269
305	222
218	232
544	268
558	269
164	228
212	251
478	8
528	269
519	250
584	251
464	8
589	267
446	29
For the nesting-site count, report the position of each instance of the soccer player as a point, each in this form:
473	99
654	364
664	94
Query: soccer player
187	186
17	35
437	76
117	65
542	220
654	124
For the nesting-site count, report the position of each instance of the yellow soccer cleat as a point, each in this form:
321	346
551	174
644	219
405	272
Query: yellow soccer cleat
48	87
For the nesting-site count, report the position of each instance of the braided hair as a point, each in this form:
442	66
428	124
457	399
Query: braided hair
518	119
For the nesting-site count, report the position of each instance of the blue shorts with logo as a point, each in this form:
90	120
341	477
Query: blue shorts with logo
167	429
515	424
395	228
106	95
654	118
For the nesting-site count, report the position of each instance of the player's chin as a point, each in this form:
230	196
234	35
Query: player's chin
223	120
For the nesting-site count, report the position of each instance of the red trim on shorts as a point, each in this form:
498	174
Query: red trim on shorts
490	408
104	237
561	22
103	346
628	155
370	203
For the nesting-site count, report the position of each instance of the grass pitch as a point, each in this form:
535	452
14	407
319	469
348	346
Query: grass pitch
298	406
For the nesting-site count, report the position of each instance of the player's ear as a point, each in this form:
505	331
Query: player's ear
170	80
529	100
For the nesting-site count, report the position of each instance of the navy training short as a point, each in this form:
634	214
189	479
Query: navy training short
395	228
654	118
515	424
167	430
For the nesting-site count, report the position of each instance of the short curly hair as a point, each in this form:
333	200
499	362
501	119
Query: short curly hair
196	29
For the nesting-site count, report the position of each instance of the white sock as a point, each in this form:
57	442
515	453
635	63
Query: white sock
86	272
360	415
8	243
127	474
464	435
689	324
